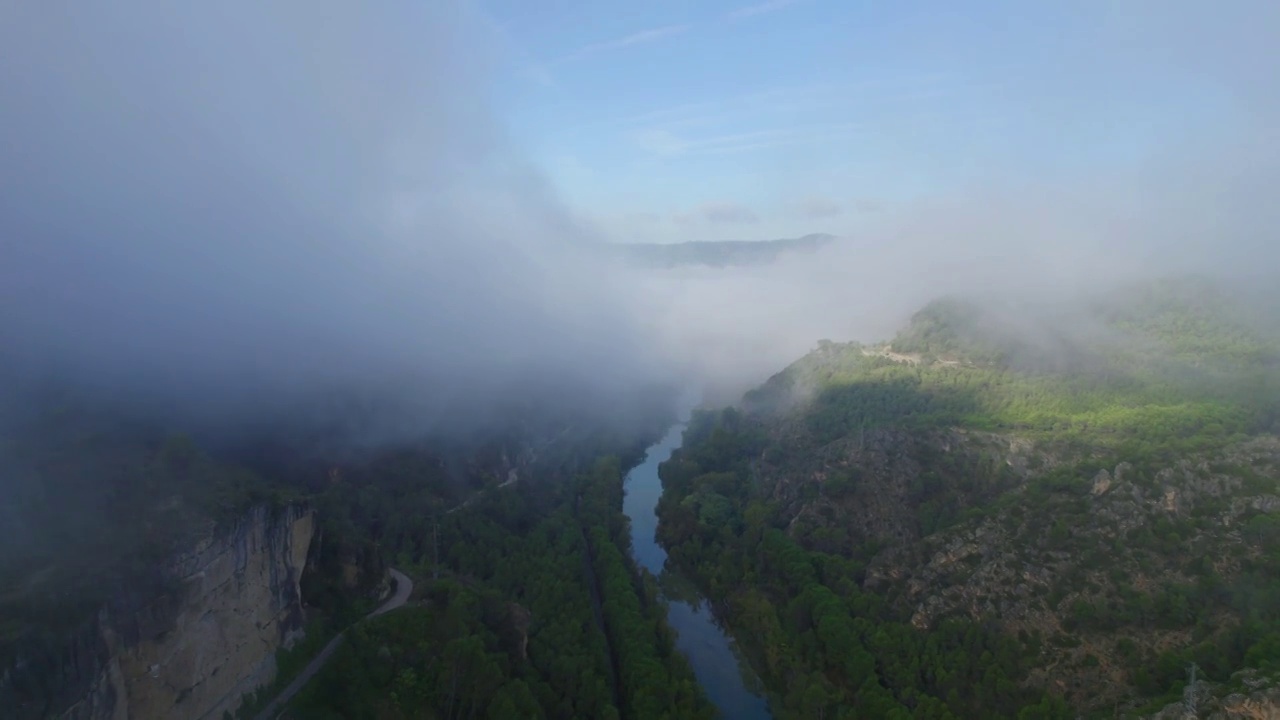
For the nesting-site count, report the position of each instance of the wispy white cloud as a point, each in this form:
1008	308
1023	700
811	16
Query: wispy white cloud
799	136
541	73
663	142
868	205
674	115
802	114
759	9
641	37
818	207
800	100
787	103
660	141
525	64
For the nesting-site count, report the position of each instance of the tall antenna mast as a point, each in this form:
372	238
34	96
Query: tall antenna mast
1189	694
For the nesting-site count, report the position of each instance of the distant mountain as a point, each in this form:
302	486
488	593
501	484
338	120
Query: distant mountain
722	253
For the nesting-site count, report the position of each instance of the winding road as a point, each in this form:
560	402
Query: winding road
404	587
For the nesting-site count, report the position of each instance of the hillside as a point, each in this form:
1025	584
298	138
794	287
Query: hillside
1007	511
92	506
151	574
723	253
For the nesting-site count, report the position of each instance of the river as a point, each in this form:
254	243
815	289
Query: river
720	670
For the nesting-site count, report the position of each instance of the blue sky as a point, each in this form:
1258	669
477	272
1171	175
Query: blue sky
670	120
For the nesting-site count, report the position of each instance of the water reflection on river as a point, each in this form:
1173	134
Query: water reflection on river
724	676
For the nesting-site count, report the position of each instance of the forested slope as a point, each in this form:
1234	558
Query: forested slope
1006	512
528	604
91	505
535	610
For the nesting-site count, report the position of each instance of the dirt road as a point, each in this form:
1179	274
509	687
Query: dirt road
404	587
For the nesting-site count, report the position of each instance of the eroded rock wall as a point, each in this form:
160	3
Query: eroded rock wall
190	650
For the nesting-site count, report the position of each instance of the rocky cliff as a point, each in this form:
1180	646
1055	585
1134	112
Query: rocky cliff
186	646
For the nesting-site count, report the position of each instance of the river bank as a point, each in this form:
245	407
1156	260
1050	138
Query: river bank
721	671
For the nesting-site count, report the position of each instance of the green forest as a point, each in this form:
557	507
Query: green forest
527	602
824	647
533	610
1173	376
94	505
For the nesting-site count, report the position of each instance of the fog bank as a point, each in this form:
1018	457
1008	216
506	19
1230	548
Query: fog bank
245	210
229	208
1039	246
1204	204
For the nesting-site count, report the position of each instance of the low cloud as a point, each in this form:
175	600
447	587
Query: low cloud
659	142
1203	205
737	326
719	213
760	9
640	37
225	218
245	207
643	218
816	208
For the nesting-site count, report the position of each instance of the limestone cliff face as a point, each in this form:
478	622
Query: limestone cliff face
188	648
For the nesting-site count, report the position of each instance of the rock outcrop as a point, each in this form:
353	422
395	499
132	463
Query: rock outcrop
1095	566
189	645
1250	696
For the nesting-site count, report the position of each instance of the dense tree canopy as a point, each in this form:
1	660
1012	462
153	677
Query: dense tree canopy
534	610
1147	377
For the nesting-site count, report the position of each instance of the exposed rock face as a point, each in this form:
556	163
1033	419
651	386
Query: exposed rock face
1037	540
868	488
1260	700
519	619
187	648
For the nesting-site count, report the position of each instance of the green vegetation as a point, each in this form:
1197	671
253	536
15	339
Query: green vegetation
910	531
987	426
534	610
528	606
92	507
823	647
290	662
446	660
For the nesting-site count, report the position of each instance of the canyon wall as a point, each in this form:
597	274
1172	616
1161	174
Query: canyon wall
186	647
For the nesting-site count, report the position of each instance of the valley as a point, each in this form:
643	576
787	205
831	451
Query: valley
967	521
348	355
714	655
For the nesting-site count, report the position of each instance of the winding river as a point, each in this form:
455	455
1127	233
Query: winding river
721	671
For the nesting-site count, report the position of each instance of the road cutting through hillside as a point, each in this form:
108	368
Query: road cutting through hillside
404	587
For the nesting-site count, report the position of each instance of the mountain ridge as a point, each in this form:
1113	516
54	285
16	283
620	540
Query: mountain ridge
717	253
